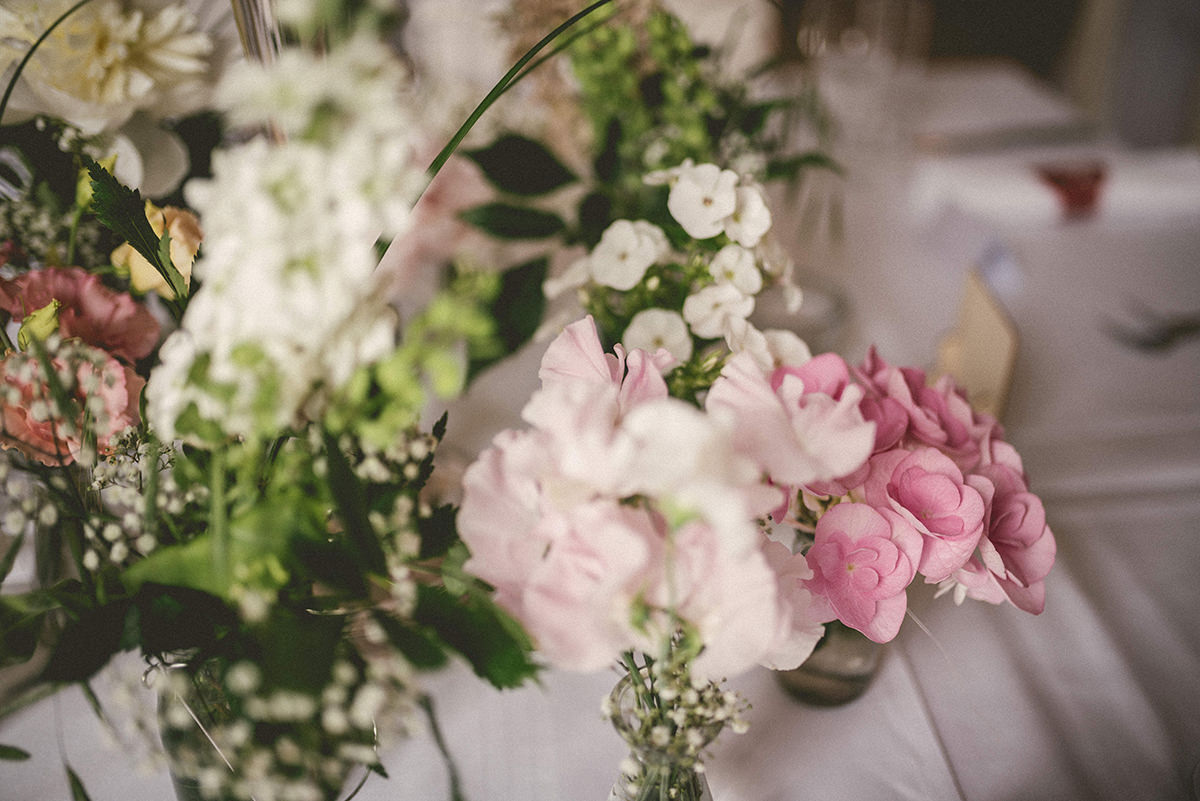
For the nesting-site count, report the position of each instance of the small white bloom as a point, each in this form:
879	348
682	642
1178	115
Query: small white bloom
651	329
709	311
736	265
751	220
702	197
625	251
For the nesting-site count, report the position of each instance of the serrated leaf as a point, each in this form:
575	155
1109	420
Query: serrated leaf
11	753
506	221
123	211
521	166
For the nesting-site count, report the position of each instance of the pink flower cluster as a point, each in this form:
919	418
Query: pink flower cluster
941	494
103	333
622	515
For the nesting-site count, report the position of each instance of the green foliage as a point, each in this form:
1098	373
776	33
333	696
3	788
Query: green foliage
123	211
509	221
521	166
494	645
10	753
517	307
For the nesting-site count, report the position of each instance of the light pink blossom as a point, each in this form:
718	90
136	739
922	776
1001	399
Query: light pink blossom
862	561
796	436
927	490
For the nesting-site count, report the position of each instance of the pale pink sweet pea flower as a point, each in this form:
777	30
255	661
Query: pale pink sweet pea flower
926	489
862	562
796	436
719	581
101	317
576	355
500	517
799	630
702	197
579	600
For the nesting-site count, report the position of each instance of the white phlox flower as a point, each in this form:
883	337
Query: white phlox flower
702	197
654	328
709	311
625	251
736	265
751	220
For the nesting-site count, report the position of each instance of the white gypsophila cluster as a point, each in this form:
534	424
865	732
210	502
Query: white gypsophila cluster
288	303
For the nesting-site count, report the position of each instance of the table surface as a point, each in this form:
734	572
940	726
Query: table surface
1097	698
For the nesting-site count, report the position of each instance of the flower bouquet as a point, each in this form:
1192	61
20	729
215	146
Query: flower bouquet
691	496
218	431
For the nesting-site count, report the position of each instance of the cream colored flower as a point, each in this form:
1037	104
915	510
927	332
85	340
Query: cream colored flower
186	235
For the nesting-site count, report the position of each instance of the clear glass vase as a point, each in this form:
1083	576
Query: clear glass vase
664	758
195	717
841	668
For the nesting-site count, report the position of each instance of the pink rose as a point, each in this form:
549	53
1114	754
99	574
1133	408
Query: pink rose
862	562
112	321
795	435
928	492
35	426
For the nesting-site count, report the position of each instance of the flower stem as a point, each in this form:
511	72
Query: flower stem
503	85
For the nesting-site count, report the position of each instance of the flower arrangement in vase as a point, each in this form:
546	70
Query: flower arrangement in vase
691	496
218	430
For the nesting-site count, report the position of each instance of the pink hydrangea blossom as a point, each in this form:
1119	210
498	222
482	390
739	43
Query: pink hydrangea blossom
90	311
1018	547
862	560
927	491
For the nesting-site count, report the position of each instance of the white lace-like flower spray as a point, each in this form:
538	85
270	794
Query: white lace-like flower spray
289	308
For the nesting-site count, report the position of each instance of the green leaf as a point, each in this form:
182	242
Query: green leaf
11	753
351	499
122	211
521	166
490	640
77	791
87	643
438	532
419	647
506	221
517	311
790	166
10	556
